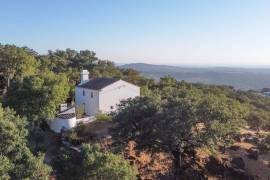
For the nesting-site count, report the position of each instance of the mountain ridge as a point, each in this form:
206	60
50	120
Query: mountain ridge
240	78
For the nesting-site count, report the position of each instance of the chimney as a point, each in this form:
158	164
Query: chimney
84	76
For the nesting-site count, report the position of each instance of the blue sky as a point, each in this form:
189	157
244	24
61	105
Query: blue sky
187	32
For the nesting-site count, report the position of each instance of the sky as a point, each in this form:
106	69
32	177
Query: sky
179	32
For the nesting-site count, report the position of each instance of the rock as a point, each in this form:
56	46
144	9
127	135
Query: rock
132	158
247	135
222	149
215	165
253	153
190	173
132	162
238	162
235	147
238	174
252	140
238	138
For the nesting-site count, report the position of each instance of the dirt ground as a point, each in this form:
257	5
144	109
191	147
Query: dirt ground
158	166
258	168
52	144
99	128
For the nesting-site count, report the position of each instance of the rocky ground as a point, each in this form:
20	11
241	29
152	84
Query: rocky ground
243	160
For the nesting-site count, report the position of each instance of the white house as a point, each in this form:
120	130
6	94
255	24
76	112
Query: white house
102	94
94	95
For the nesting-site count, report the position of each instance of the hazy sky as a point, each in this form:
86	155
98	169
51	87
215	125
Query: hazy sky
194	32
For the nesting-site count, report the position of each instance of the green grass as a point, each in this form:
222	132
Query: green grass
103	117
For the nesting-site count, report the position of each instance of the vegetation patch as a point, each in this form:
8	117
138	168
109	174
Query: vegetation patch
103	117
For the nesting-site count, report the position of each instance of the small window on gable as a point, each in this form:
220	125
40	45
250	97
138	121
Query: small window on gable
83	93
92	95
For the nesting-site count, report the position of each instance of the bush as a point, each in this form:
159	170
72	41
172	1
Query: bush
104	165
103	117
264	146
92	163
80	112
78	135
73	137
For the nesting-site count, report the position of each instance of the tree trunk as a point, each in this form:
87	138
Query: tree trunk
224	149
177	163
8	82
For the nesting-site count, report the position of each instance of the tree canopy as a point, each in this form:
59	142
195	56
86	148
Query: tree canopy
104	165
16	63
95	164
17	161
171	120
38	97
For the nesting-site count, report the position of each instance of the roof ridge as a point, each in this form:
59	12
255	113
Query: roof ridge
98	83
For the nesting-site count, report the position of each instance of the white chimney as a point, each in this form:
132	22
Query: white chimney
84	76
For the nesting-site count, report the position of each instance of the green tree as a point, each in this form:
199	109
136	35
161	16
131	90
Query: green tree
17	161
85	59
104	165
5	167
171	125
104	68
257	119
222	118
16	63
158	127
38	97
93	164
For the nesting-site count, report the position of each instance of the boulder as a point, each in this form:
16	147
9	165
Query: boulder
215	165
253	153
238	163
238	138
252	140
235	147
222	149
190	173
239	174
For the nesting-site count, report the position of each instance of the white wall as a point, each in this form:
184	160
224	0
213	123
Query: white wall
114	93
57	124
91	103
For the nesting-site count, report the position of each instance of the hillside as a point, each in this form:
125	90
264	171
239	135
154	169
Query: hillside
240	78
174	130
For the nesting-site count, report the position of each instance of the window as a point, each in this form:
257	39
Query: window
92	95
83	93
112	107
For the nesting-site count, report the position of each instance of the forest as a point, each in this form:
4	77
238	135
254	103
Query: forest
174	120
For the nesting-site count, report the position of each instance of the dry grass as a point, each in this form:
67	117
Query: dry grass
244	145
150	166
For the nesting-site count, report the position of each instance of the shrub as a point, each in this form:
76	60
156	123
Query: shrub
73	137
103	117
104	165
80	112
264	146
78	135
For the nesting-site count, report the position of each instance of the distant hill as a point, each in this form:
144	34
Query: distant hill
240	78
